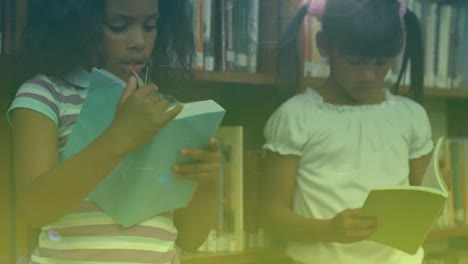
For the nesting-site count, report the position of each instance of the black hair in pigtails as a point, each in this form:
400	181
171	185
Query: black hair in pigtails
288	57
414	53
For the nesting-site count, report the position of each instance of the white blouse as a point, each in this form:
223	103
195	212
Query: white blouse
346	151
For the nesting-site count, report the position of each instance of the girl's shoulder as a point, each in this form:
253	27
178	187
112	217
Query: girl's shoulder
41	82
305	101
408	106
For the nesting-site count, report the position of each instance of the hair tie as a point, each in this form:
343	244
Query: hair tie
316	8
402	8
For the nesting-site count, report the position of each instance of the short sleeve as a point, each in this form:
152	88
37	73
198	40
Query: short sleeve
421	133
285	131
38	94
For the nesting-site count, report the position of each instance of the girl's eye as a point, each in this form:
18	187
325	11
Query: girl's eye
381	62
117	28
150	27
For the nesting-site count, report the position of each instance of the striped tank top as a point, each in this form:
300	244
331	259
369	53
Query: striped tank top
88	235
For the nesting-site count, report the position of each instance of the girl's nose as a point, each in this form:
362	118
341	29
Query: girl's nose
137	39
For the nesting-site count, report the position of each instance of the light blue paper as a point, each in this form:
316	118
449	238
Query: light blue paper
142	185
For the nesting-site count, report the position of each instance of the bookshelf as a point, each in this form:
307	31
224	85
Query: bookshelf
249	98
270	79
448	233
235	77
446	93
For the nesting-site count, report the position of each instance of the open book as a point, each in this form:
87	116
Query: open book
406	214
142	185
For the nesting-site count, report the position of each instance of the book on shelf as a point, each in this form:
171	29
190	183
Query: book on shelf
198	32
407	214
208	34
226	35
455	213
2	23
228	234
143	184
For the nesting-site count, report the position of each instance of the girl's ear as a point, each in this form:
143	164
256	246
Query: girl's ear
322	44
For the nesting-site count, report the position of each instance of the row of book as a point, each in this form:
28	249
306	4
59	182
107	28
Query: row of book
238	226
12	20
226	35
228	234
445	36
455	212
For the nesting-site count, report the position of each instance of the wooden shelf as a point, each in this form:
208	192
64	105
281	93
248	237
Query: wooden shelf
448	233
447	93
428	92
270	79
235	77
248	257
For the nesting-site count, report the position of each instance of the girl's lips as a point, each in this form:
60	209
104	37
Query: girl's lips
129	68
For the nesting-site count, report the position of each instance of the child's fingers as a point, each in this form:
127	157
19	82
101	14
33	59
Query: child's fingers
356	212
201	154
148	90
358	235
171	114
363	224
129	89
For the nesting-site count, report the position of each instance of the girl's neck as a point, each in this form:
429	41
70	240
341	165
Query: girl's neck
333	93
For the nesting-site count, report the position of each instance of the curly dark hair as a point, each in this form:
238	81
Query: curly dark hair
60	34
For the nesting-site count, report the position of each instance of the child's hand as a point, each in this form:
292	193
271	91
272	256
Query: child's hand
348	227
206	171
140	115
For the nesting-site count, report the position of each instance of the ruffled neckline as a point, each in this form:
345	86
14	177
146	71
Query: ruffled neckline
349	108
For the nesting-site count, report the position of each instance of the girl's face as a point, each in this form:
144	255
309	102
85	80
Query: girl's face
359	79
129	35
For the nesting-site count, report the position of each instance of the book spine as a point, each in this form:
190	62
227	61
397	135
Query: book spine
307	47
449	219
252	30
199	34
221	24
465	177
464	63
444	46
268	36
230	35
452	48
242	39
2	23
430	44
459	53
457	196
208	38
7	33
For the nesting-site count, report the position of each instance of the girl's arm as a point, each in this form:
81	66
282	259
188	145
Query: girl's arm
418	169
345	227
196	220
48	190
280	184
